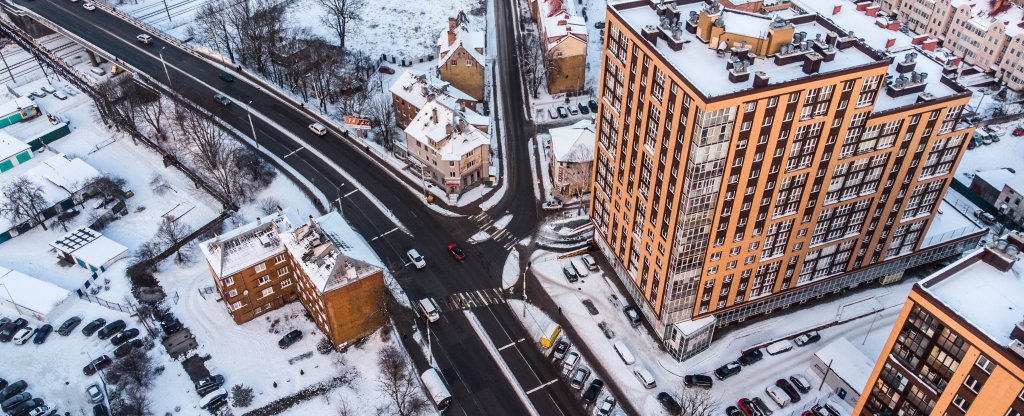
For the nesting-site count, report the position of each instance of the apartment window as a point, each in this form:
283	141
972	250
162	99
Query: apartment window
285	283
261	267
282	271
236	306
263	280
972	383
267	292
229	281
985	364
961	403
280	257
233	293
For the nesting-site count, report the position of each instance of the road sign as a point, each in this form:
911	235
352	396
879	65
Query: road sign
357	123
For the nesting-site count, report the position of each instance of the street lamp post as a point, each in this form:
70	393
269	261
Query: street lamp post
525	271
164	63
248	111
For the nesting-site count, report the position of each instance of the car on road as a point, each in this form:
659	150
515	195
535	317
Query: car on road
551	204
23	335
124	336
318	129
144	39
633	315
606	406
42	333
801	383
97	364
590	395
226	77
593	106
560	349
208	384
69	325
583	108
416	259
88	6
808	338
289	339
12	389
222	99
384	69
111	329
11	329
456	252
698	380
570	273
93	326
751	357
669	403
578	378
789	389
95	393
728	370
562	112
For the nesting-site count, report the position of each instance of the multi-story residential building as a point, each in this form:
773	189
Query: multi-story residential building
451	152
413	89
746	163
262	265
563	37
571	159
460	52
958	344
1004	190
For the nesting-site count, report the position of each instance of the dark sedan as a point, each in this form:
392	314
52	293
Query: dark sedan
751	357
124	336
289	339
96	365
93	326
69	325
11	328
789	389
697	380
669	403
111	329
42	333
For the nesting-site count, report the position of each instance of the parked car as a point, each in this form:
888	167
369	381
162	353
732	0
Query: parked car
761	407
214	400
384	69
416	259
289	339
728	370
123	349
589	261
111	329
669	403
170	324
3	383
573	110
97	364
633	315
95	393
100	410
4	321
12	389
124	336
578	378
777	395
593	106
208	384
789	389
222	99
801	383
560	349
551	204
42	333
25	406
42	410
645	377
985	217
698	380
14	400
69	325
570	273
779	347
23	335
570	361
583	108
746	406
93	326
808	338
456	252
590	395
60	95
562	112
606	406
599	25
1018	131
11	329
733	411
751	357
552	113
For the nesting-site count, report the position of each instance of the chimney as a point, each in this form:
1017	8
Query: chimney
350	271
907	64
462	124
830	38
812	63
462	106
448	129
433	115
650	32
930	45
451	30
1018	331
761	79
837	9
862	6
890	43
925	97
872	10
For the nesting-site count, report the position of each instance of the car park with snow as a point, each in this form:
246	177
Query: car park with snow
728	370
808	338
69	325
751	357
698	380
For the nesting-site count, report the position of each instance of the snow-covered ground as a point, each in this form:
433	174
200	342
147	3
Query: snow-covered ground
1006	153
867	334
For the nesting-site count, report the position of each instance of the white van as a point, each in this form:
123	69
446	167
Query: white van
624	353
645	377
778	396
581	269
98	71
437	388
318	129
214	400
430	309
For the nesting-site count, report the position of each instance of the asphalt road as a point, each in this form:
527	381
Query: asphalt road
281	129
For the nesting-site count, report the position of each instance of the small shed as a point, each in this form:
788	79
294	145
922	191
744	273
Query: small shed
90	250
30	297
13	152
844	368
17	110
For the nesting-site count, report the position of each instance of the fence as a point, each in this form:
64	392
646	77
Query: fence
114	306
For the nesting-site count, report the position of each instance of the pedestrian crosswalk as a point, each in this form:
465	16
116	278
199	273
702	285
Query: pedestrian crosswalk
469	300
498	235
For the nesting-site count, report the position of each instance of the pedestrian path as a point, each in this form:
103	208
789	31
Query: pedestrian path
499	235
469	300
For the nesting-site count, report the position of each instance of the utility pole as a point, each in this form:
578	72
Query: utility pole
827	370
524	286
168	11
16	307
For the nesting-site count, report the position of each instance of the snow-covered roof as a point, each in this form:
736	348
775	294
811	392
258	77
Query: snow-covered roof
29	292
473	41
9	146
416	87
573	144
330	253
857	22
925	63
239	249
982	16
848	362
981	294
15	105
1002	176
948	223
90	246
57	177
561	21
436	126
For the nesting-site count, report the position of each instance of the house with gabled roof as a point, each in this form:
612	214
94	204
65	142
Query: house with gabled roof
461	52
563	36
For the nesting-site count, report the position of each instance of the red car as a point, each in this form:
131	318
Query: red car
1018	132
746	406
384	69
456	252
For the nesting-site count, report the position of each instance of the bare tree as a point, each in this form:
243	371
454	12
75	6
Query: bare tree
698	402
383	113
258	25
109	187
172	234
211	26
212	152
130	400
135	368
399	384
124	97
154	114
532	63
338	14
23	201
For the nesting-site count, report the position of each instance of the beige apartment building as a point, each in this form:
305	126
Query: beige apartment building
957	348
728	187
461	61
454	154
563	35
413	89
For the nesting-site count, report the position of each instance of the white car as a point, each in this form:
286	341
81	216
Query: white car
144	38
645	377
23	336
416	259
95	393
552	204
88	6
318	128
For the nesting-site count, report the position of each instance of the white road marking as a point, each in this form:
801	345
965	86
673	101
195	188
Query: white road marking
542	386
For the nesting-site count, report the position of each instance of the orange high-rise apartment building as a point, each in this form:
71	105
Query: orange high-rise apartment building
745	163
958	345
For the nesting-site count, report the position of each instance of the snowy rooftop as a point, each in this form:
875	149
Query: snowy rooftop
14	105
244	246
934	82
857	22
31	293
9	146
697	61
982	16
436	126
1002	176
57	177
981	294
461	34
573	144
90	246
561	21
948	223
847	362
331	254
416	87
